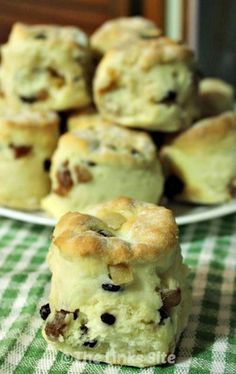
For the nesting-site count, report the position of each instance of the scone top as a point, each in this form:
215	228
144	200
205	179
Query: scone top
120	30
48	33
118	232
103	142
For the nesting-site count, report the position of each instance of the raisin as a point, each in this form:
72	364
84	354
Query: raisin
83	329
105	233
20	150
41	35
170	298
173	186
135	152
163	315
90	343
65	182
75	314
111	287
108	318
28	99
47	165
83	174
232	188
91	163
55	328
45	311
169	98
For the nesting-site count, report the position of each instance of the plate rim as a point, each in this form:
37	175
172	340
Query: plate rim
208	213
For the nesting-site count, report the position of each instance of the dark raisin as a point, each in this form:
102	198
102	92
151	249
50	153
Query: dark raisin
169	98
108	318
105	233
163	314
111	287
91	163
90	344
45	311
20	150
47	165
75	314
28	99
84	329
135	152
173	186
40	35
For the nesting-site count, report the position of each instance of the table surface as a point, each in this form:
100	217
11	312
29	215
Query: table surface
208	344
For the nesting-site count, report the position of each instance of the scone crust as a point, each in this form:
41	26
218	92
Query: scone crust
146	233
120	30
157	75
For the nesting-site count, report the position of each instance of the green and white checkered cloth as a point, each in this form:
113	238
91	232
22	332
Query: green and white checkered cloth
208	344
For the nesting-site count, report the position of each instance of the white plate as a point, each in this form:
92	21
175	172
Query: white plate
184	213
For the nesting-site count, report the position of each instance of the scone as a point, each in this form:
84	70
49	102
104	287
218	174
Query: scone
118	292
96	163
88	117
46	67
200	162
150	84
122	30
27	141
216	97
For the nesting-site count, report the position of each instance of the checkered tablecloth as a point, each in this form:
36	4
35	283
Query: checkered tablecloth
207	346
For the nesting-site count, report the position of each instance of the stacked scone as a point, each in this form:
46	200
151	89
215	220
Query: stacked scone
143	83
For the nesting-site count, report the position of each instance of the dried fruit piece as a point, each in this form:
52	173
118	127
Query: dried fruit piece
45	311
108	319
120	274
83	174
111	287
55	328
65	182
20	150
90	343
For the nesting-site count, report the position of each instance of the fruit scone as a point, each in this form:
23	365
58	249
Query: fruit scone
27	141
46	67
150	84
200	163
121	30
119	292
95	163
216	96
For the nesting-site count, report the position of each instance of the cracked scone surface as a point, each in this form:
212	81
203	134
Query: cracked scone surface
46	67
118	291
149	84
200	163
122	30
99	161
27	141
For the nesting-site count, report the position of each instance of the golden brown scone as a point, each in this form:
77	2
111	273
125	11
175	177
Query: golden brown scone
122	30
150	84
88	117
216	97
119	292
46	67
200	162
27	141
99	161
